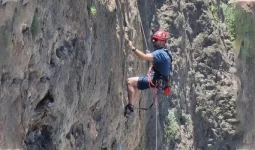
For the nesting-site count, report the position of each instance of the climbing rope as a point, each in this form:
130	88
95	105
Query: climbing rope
141	24
154	86
156	145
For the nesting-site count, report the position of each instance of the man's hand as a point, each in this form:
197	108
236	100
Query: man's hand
131	45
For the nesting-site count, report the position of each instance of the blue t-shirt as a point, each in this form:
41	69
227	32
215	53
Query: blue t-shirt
162	62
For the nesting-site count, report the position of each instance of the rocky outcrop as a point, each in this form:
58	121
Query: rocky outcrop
63	70
64	66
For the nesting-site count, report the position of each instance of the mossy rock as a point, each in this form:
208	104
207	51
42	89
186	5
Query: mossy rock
35	25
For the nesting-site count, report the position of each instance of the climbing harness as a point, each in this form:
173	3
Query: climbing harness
154	87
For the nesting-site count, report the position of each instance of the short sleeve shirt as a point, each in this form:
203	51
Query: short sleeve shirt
162	62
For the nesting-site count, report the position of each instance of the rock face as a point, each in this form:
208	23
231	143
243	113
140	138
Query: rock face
63	70
245	70
64	66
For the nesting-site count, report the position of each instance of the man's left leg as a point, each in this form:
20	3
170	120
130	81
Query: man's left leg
132	89
133	85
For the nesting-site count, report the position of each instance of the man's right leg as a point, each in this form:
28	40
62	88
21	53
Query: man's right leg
132	89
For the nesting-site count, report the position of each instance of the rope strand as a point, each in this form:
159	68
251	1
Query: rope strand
156	147
154	86
141	24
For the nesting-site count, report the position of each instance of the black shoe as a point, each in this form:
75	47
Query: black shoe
129	110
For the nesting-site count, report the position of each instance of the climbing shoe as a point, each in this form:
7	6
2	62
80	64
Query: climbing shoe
129	109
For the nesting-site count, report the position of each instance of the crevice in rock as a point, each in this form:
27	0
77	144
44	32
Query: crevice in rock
77	133
44	79
39	138
109	84
44	103
25	31
16	81
33	75
114	144
96	114
5	78
54	62
61	52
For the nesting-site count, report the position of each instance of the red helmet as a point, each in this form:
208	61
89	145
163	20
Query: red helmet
160	35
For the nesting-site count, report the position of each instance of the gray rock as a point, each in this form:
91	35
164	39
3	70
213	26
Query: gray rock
24	2
233	121
232	132
209	145
220	117
5	1
225	125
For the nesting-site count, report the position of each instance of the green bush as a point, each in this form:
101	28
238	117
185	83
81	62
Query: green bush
230	19
171	126
213	10
93	10
217	110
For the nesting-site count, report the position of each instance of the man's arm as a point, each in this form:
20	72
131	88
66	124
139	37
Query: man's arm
140	54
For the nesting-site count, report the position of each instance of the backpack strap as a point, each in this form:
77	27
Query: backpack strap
170	56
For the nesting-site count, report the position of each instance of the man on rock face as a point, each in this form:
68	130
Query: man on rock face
162	62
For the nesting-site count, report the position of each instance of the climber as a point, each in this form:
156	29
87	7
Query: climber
162	61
